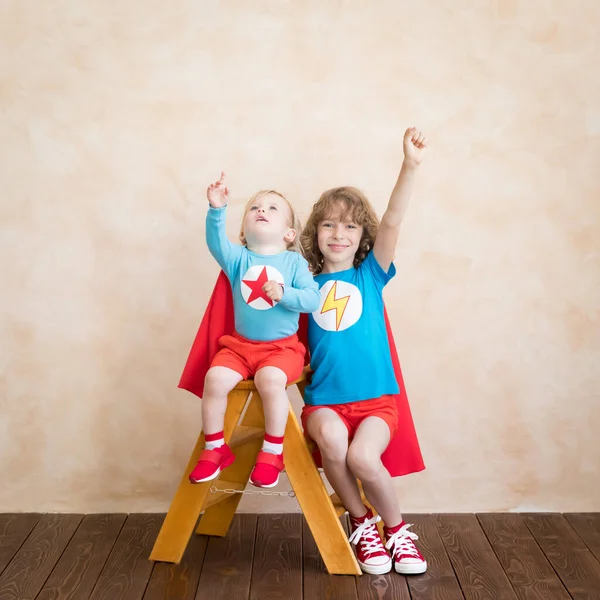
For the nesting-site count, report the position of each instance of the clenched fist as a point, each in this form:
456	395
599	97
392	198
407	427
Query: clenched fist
273	290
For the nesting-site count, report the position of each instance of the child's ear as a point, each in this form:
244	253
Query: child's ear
290	236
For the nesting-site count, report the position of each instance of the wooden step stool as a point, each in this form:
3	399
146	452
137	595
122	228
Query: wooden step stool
245	438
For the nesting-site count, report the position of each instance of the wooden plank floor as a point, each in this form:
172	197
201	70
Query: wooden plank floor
472	557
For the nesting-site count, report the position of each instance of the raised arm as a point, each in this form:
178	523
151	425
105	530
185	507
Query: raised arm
224	251
389	228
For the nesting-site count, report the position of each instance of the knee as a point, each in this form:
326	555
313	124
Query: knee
269	381
215	384
332	440
364	464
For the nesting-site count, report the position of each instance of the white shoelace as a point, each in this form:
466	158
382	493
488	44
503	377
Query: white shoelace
368	533
403	540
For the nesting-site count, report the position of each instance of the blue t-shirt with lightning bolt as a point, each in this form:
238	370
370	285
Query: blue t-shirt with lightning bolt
256	316
347	337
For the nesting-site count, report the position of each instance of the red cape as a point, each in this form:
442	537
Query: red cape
402	456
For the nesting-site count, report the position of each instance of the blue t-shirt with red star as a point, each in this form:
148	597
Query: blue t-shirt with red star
347	337
257	317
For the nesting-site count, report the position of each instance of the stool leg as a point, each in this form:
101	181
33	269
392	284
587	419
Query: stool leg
217	519
185	508
314	500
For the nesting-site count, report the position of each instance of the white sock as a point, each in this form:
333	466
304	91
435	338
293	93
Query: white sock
272	448
215	444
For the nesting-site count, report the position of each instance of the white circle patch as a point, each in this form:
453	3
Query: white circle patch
340	307
252	283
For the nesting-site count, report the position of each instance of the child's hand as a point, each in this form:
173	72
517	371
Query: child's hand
414	146
273	290
218	193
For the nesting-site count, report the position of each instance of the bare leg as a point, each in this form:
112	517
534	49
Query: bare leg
364	460
270	383
218	383
331	435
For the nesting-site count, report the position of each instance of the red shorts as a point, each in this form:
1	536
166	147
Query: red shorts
354	413
247	356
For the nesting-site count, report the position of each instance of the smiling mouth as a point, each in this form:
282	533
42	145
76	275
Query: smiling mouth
337	247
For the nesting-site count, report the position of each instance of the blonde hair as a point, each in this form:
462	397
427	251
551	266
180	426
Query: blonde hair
294	221
355	207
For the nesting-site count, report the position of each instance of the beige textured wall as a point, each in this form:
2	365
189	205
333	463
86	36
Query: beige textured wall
114	116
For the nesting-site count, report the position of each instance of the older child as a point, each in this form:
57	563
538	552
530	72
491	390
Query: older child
350	410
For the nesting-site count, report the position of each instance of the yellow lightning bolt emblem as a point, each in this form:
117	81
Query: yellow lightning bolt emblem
337	304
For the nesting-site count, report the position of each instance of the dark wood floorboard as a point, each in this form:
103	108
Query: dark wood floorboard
390	586
227	564
317	582
79	567
478	571
439	582
575	564
179	582
528	570
127	570
587	525
14	530
27	572
274	556
277	558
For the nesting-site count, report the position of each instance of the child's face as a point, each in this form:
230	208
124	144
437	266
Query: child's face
267	221
338	241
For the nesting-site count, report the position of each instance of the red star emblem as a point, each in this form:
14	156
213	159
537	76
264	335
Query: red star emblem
256	287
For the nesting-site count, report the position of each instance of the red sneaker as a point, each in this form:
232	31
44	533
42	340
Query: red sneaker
372	556
266	470
211	463
407	558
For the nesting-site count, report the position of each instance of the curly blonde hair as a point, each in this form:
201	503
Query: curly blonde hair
294	221
355	208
